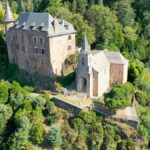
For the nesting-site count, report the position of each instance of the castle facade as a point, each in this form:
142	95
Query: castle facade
38	42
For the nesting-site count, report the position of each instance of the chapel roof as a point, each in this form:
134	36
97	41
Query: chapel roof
46	21
103	58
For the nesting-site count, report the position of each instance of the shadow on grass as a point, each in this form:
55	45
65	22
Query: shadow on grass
66	80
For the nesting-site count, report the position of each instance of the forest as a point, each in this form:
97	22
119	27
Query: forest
116	25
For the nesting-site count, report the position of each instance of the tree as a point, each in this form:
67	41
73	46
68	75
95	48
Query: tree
120	96
81	5
21	7
2	128
80	25
37	133
53	6
50	106
125	12
96	136
126	145
4	93
106	24
77	124
24	110
142	98
6	111
54	136
40	102
19	139
37	115
135	70
88	117
74	6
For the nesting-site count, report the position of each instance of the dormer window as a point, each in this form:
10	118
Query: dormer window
41	26
23	25
32	26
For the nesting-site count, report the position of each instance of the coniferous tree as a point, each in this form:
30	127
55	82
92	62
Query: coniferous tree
54	136
74	6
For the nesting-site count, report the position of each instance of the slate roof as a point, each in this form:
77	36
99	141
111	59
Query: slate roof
115	57
27	20
8	14
103	58
85	45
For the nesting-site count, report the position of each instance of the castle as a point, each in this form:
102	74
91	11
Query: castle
39	43
99	70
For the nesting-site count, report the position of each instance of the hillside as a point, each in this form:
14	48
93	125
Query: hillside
30	121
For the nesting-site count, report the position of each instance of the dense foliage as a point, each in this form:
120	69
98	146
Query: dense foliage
119	25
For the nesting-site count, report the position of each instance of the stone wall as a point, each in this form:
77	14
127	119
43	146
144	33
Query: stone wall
67	106
59	50
100	108
21	50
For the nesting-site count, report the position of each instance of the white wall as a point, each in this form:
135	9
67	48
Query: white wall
103	81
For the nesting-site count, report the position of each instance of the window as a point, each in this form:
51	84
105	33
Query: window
35	50
69	37
23	49
42	62
83	61
69	48
67	27
27	63
42	51
41	40
34	39
35	67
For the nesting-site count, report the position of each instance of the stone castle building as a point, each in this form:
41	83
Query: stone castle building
99	70
37	42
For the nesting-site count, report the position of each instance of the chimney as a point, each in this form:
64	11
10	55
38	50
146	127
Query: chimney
55	25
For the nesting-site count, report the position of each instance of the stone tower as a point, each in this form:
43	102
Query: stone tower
84	69
9	19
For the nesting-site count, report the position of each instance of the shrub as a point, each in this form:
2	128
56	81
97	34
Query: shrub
88	117
37	115
77	124
52	119
24	110
142	98
40	102
50	106
54	136
6	111
120	96
37	133
4	87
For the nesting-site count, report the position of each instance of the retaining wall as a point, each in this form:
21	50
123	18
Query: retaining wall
65	105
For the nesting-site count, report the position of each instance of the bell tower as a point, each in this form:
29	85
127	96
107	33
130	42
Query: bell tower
9	19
